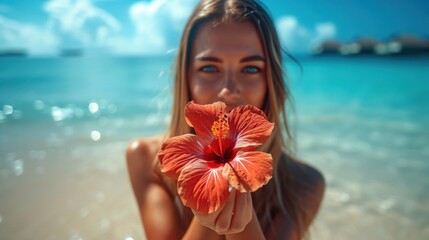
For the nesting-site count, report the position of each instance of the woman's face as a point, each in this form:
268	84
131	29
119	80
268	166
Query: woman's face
228	64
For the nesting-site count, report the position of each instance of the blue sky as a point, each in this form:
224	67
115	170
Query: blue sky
154	26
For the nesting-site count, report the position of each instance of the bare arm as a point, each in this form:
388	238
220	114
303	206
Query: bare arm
252	230
310	189
158	212
198	231
235	220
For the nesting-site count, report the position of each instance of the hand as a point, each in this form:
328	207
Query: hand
232	217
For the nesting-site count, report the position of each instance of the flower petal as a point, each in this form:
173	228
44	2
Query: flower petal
249	170
249	125
202	117
176	152
202	187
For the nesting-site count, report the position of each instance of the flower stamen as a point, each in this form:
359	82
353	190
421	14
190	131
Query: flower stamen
220	129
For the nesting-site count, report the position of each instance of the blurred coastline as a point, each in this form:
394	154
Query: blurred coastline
65	124
396	46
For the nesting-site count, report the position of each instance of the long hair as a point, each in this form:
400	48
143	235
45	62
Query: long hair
276	195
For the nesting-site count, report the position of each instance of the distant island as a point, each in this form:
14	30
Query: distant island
396	46
24	53
13	53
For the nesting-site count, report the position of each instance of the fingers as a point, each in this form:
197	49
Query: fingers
249	214
233	217
223	220
220	216
207	220
244	213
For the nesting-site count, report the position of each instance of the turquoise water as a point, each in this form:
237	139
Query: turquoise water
364	122
128	83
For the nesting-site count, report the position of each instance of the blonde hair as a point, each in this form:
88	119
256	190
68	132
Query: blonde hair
216	12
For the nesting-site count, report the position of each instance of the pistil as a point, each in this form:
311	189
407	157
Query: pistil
220	130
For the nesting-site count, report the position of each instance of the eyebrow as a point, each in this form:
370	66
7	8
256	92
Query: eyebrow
253	58
208	59
246	59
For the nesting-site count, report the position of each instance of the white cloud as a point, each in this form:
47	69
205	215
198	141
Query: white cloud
35	39
297	38
71	23
157	25
80	24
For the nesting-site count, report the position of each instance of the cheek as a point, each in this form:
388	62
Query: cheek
254	92
203	92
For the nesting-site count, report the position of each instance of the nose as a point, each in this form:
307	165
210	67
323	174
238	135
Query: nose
230	92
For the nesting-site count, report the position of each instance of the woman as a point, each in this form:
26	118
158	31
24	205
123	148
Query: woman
229	52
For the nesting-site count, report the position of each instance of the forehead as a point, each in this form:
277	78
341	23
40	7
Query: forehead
228	38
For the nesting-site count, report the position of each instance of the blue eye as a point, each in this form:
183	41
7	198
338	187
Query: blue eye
251	69
209	69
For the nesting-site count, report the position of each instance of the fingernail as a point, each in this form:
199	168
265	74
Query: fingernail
229	188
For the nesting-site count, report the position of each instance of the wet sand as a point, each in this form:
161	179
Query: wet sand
67	189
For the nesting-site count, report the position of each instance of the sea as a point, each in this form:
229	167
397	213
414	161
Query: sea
65	124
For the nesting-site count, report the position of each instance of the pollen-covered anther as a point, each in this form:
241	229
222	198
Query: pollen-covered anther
220	127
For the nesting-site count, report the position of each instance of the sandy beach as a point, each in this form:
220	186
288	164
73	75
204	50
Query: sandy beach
59	183
68	188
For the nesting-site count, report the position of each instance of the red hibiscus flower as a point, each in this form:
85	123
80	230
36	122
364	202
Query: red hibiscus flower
221	155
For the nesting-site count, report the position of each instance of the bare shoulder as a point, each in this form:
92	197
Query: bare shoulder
306	176
158	212
144	149
140	156
309	184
